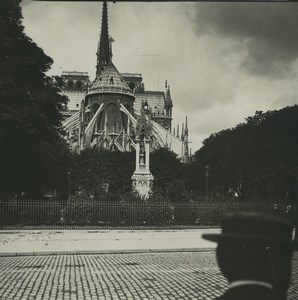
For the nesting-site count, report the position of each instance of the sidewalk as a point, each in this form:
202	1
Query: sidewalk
45	242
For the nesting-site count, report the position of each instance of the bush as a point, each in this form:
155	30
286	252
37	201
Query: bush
78	210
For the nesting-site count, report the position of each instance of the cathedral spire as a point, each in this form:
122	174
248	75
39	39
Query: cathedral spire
104	49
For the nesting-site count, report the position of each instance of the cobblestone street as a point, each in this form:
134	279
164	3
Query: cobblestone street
185	275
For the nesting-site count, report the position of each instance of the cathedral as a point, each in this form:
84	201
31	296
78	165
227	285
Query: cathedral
115	112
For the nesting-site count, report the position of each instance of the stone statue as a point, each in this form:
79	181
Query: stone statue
142	151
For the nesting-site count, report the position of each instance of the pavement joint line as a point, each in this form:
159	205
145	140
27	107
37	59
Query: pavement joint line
90	252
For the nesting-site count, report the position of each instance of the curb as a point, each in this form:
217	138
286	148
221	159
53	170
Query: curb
92	252
11	229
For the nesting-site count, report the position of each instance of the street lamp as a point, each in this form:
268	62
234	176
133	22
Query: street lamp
207	177
68	183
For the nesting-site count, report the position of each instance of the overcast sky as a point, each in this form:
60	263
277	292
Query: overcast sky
223	61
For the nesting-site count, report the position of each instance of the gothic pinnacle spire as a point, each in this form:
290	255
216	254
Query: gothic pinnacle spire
104	48
186	126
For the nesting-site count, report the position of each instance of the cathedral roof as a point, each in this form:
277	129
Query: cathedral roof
110	81
155	99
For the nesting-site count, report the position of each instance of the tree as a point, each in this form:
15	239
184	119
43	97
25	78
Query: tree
92	167
33	153
170	175
256	159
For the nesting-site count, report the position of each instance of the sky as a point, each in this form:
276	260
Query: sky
223	61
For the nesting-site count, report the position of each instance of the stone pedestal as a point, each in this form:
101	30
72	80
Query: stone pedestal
142	184
142	179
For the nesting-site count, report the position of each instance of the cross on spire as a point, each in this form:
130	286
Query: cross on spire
104	50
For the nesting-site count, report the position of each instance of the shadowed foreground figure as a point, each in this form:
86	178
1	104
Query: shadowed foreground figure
255	254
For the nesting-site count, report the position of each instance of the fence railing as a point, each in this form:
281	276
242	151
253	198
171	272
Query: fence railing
51	214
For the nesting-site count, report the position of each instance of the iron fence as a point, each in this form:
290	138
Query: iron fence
54	214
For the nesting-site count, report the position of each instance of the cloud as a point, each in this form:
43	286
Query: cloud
25	3
287	99
268	31
209	52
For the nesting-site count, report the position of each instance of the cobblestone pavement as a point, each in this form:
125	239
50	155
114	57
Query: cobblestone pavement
185	275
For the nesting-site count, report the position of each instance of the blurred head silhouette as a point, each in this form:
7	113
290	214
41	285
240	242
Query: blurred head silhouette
255	252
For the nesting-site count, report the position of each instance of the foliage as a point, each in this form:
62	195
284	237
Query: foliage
82	209
33	154
123	210
93	167
23	212
256	159
79	209
170	175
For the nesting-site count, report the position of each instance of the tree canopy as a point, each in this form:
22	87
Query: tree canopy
170	175
33	153
256	159
93	167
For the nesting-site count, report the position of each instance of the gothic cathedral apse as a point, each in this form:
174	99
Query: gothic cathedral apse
115	112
